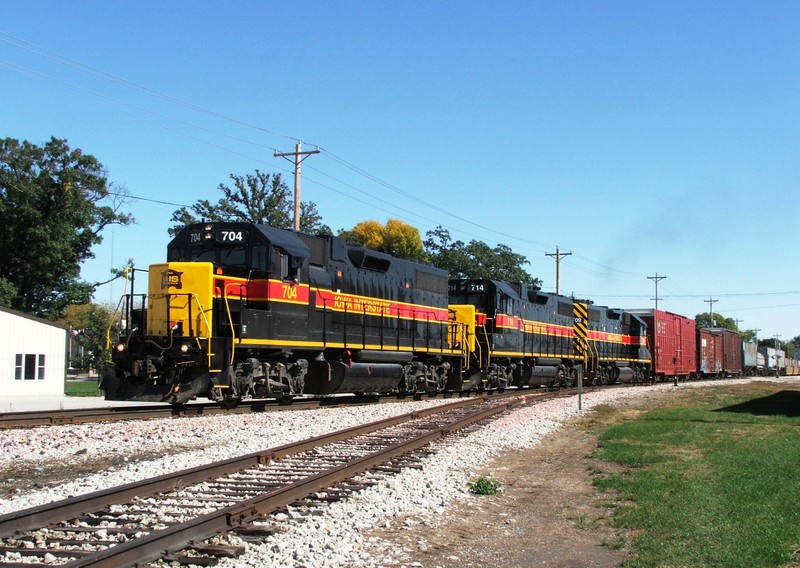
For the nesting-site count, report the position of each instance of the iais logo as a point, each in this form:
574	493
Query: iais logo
171	279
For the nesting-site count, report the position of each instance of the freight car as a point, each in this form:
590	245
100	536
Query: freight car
771	361
680	351
709	353
247	310
750	358
719	353
673	343
526	337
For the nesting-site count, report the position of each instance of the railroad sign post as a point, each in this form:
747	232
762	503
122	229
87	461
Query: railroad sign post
580	333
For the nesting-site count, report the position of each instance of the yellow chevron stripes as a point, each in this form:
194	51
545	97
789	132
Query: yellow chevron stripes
580	328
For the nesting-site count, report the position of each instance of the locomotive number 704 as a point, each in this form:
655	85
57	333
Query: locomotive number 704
232	236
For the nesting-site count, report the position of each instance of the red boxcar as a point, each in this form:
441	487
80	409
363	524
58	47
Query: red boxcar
709	352
671	338
727	352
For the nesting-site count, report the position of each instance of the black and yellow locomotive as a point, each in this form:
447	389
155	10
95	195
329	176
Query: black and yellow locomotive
525	337
244	310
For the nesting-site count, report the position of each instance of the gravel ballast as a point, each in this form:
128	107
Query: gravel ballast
337	536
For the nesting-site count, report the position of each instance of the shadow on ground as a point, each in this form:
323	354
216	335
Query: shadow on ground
783	403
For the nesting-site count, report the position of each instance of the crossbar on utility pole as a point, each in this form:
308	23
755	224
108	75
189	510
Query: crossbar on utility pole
299	156
558	256
656	279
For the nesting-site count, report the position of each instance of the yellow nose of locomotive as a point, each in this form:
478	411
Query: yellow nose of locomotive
179	299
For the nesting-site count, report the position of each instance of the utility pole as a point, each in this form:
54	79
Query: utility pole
558	254
755	332
777	357
299	156
656	279
711	302
656	368
737	322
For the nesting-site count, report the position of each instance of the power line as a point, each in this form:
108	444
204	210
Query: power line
67	61
39	50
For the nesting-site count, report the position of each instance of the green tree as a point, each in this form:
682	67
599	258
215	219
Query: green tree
90	326
772	342
396	238
704	320
257	198
54	202
476	259
747	335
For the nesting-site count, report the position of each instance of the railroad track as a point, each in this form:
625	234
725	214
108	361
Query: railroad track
160	517
56	417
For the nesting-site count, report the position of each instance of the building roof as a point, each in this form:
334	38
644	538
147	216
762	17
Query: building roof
34	318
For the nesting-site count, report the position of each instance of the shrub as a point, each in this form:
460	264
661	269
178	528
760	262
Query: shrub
485	486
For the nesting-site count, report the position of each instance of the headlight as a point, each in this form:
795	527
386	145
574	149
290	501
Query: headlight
184	348
120	347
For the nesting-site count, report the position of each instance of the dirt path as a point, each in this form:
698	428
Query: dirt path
548	515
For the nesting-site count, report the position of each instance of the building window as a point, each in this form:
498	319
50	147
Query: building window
29	367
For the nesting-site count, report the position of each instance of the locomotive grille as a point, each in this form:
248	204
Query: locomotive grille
316	247
432	283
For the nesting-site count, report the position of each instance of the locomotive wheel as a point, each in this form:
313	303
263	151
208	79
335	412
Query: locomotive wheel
230	402
112	384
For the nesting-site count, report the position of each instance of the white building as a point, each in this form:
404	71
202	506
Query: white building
33	355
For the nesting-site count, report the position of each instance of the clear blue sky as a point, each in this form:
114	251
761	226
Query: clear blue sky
644	137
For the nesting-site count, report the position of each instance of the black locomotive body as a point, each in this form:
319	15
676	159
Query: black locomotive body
246	310
525	337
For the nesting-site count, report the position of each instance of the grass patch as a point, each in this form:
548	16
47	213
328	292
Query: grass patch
703	483
83	388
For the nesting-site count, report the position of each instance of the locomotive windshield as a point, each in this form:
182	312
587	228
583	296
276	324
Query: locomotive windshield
468	292
223	256
241	249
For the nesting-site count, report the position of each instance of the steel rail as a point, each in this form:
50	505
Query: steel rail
177	537
65	509
31	419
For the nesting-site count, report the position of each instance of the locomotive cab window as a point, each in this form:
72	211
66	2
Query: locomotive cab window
175	254
289	267
505	304
259	258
